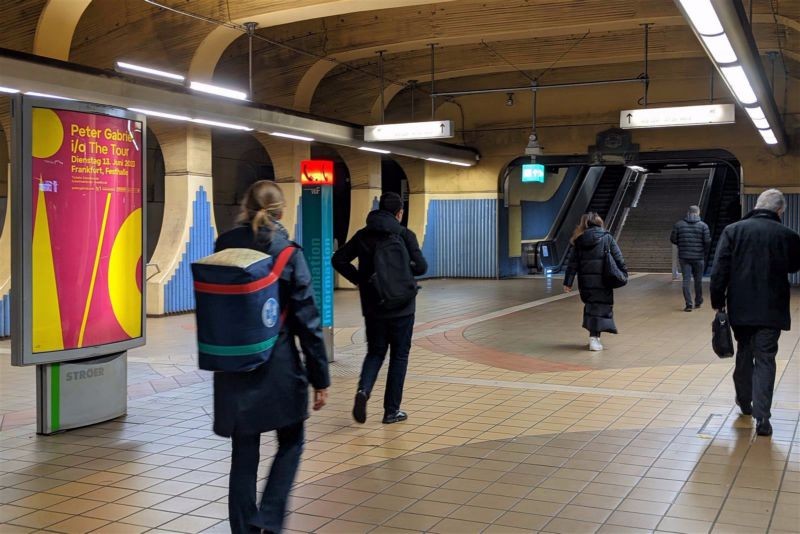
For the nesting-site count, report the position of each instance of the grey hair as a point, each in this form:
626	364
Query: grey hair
694	210
772	200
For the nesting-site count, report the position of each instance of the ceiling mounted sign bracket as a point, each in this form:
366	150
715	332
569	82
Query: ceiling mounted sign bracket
380	74
646	74
433	80
250	28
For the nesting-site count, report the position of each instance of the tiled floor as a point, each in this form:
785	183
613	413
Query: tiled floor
513	427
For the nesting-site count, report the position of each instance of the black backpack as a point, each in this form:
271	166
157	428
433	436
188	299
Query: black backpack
393	280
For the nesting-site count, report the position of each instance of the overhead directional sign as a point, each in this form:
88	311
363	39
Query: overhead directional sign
677	116
409	130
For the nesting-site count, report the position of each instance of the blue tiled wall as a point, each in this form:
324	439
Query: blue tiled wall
791	219
461	238
5	316
179	291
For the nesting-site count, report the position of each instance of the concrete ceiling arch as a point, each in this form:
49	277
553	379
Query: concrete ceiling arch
208	53
56	26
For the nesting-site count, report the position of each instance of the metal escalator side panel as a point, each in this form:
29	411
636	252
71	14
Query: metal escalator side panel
570	214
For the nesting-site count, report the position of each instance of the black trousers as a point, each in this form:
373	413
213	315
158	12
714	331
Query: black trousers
394	336
245	516
692	269
754	376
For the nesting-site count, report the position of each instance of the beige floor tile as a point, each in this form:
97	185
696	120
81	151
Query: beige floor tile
684	526
415	522
150	518
78	525
457	526
189	523
570	526
40	519
112	511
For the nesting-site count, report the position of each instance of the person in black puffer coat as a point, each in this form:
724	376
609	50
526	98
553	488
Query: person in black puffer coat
589	243
693	239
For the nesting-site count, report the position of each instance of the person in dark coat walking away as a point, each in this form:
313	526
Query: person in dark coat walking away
751	278
388	328
589	244
693	239
273	396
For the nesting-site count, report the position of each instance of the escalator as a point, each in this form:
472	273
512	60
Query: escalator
606	191
599	190
723	207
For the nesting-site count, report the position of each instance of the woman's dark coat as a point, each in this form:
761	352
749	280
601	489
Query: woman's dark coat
275	395
586	260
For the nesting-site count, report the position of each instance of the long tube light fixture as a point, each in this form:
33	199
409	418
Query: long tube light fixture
217	90
8	90
376	150
292	136
124	65
702	15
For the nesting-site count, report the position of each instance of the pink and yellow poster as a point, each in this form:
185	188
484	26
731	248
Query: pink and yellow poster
87	229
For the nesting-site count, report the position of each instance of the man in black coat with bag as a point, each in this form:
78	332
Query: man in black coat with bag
389	258
751	277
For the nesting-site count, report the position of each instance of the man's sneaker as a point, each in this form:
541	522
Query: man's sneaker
747	409
697	305
763	428
396	417
595	345
360	407
688	308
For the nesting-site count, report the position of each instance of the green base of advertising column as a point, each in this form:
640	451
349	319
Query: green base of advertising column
317	222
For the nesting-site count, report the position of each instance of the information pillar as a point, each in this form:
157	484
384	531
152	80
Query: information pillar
317	224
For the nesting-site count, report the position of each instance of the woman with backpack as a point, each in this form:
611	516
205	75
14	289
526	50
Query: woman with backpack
273	396
591	244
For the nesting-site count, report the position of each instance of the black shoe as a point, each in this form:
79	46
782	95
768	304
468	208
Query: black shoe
688	308
697	305
763	428
360	407
396	417
746	409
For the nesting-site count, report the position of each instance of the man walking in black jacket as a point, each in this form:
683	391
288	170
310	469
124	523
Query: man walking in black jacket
693	239
389	325
750	274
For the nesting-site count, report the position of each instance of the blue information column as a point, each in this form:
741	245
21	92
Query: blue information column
317	225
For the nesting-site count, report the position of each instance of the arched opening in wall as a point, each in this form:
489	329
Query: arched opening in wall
238	160
394	180
4	176
341	191
155	192
639	202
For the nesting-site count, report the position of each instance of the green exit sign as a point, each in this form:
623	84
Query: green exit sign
533	172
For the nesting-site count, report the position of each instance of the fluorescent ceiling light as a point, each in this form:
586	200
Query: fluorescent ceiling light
761	124
222	125
703	17
376	150
459	164
292	136
8	90
147	70
755	113
46	95
217	90
437	160
739	84
151	113
720	48
769	137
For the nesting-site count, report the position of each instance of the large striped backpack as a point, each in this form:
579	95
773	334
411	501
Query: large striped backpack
238	309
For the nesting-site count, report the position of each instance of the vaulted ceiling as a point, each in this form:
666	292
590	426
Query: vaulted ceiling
322	55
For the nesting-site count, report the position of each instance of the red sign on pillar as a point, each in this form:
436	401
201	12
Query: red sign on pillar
316	172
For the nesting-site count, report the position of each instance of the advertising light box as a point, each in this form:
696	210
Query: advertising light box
78	268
